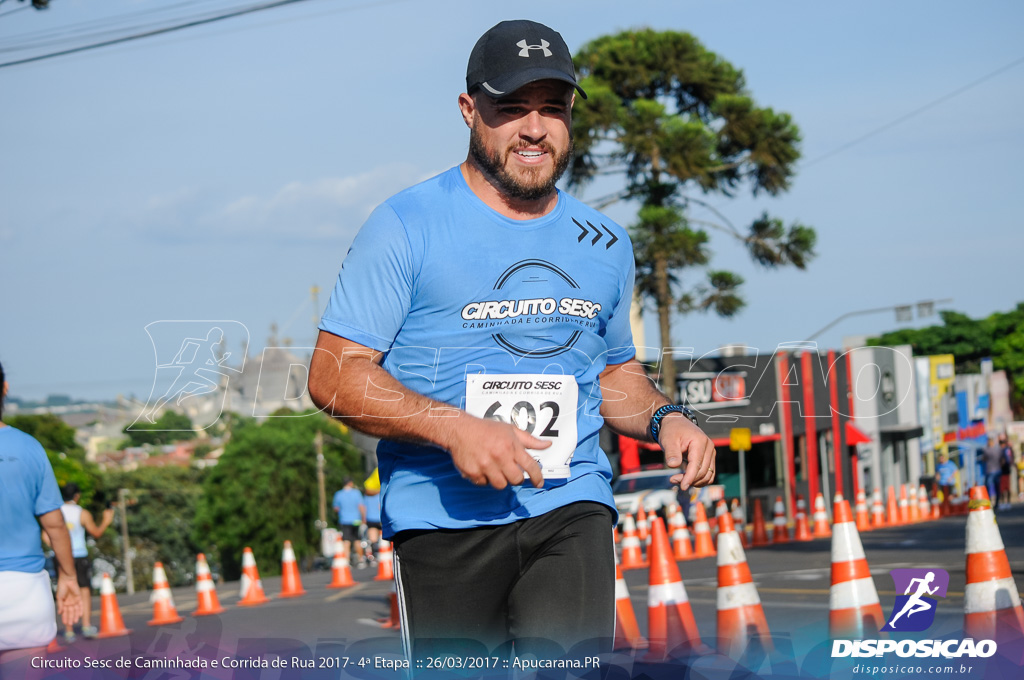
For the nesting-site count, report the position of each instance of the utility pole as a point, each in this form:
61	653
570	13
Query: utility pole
315	293
318	444
122	499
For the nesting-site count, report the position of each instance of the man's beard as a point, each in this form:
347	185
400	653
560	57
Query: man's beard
530	187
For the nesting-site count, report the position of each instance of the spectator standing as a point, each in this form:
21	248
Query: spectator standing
946	471
79	521
351	509
992	457
29	497
1006	463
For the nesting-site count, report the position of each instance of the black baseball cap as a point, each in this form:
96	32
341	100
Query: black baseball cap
514	53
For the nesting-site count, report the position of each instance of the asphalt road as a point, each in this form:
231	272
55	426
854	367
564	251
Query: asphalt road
344	625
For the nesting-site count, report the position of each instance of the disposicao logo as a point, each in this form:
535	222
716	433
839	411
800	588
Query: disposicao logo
913	612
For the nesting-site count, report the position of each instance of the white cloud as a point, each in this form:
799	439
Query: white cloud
325	208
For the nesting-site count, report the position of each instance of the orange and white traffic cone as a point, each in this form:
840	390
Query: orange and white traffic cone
740	522
821	528
893	509
385	562
863	520
393	620
291	582
682	548
163	604
801	530
250	589
111	623
341	570
780	532
632	557
760	537
670	622
877	510
641	525
936	506
924	506
992	608
913	507
740	616
854	609
904	505
703	546
206	592
627	632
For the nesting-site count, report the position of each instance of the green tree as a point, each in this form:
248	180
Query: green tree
675	120
999	336
169	427
263	490
161	507
65	454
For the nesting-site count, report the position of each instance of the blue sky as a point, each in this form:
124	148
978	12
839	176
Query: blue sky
220	172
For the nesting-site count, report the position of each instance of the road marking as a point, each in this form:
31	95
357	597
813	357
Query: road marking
345	592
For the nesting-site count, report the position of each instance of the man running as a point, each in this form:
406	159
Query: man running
471	302
348	503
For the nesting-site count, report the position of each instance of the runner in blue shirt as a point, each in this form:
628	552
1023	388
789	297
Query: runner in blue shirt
348	503
29	497
480	328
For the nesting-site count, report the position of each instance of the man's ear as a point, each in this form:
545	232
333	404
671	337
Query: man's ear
467	106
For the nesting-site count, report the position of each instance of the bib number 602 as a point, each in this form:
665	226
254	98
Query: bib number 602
523	415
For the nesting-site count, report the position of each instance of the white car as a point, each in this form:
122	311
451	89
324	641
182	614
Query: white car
650	487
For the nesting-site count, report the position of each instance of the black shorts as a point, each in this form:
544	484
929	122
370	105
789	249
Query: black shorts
373	525
83	569
350	532
547	583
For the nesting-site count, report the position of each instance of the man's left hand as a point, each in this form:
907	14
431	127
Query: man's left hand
684	442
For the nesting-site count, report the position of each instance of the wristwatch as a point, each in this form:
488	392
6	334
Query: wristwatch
659	415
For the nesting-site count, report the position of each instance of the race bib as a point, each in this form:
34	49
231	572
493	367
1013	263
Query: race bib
542	405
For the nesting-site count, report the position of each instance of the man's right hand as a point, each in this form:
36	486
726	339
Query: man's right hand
493	452
69	600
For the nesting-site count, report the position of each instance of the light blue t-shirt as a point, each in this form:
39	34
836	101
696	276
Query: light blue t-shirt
448	287
346	504
947	473
372	507
28	489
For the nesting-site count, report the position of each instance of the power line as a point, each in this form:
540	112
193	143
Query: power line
150	33
34	39
915	112
109	27
16	9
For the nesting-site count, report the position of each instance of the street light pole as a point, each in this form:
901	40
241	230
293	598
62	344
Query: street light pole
122	499
923	304
318	443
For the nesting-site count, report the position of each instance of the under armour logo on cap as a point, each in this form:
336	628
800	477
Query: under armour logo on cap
525	48
498	69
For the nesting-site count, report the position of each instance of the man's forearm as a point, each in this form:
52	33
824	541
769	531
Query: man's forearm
629	399
364	396
57	533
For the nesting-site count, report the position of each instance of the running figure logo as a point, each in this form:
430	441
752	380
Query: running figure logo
191	362
914	610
